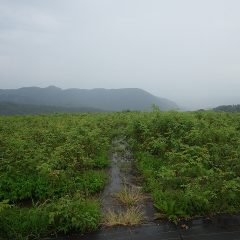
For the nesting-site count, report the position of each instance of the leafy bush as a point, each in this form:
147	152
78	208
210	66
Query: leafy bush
91	181
190	161
74	213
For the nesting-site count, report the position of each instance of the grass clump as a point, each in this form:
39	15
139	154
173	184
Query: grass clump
130	217
23	223
129	195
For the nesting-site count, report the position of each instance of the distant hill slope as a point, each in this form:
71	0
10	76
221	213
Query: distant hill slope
8	108
105	99
227	108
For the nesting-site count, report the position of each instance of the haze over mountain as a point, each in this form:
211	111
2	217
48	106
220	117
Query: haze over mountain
187	51
98	99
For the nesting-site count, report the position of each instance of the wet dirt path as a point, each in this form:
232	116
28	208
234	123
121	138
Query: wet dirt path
122	174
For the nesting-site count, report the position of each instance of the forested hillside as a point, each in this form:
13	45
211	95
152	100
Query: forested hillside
104	99
9	108
228	108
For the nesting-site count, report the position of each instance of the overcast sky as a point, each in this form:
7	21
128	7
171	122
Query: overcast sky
184	50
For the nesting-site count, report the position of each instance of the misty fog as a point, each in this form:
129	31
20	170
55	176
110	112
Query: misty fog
187	51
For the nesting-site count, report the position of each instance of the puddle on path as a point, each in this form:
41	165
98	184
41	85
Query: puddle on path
122	173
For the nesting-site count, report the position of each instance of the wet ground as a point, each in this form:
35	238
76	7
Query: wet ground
218	228
121	172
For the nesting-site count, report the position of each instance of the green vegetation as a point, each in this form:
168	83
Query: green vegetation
190	161
53	167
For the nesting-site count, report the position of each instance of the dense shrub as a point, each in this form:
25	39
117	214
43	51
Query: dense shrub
190	161
50	158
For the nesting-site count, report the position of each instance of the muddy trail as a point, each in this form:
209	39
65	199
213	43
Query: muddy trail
124	180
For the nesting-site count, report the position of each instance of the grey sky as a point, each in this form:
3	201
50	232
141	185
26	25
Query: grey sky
184	50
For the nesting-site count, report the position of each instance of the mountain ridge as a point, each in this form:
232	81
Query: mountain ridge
98	98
